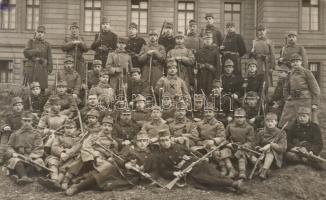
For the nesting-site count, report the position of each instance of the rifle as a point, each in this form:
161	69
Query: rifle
195	74
56	76
245	88
162	29
150	69
30	161
241	147
309	156
86	89
153	93
189	168
261	103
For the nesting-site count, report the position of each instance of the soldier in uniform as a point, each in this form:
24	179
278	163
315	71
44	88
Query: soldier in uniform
140	114
9	124
166	39
39	55
168	106
105	41
304	139
300	89
119	64
172	83
184	57
35	101
134	44
271	141
290	48
103	90
71	77
28	142
136	85
233	47
93	76
173	158
193	41
253	81
263	51
153	56
93	103
93	125
75	46
208	66
211	28
239	131
68	104
251	106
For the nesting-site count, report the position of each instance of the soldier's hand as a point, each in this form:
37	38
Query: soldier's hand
275	105
245	85
150	52
253	50
229	119
303	150
178	174
63	156
75	96
76	42
7	128
252	120
14	155
314	107
229	145
178	58
126	142
235	96
273	145
222	47
265	148
295	149
84	86
129	165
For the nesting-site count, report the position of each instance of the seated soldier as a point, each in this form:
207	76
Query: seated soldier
304	140
140	114
93	76
242	134
253	81
172	159
271	141
35	101
96	160
255	115
25	142
71	76
103	90
92	123
68	104
93	103
198	110
136	84
168	106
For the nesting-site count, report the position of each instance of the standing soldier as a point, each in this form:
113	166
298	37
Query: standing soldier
75	46
136	85
253	81
208	66
184	57
292	47
300	89
193	41
93	103
233	47
134	44
39	55
211	28
94	74
153	56
263	50
35	101
105	41
167	39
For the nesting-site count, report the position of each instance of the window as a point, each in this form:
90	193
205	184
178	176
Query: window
32	14
232	13
314	67
310	15
92	15
139	14
8	14
186	12
6	75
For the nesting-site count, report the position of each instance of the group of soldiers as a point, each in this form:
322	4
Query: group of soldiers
176	108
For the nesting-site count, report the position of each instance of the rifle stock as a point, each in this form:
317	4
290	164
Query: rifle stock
28	160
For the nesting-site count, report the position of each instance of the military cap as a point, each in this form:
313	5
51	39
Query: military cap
252	62
192	22
68	59
252	94
199	97
40	29
97	62
70	122
271	116
179	34
295	56
209	106
105	20
156	108
292	33
133	25
261	27
74	24
209	15
126	111
54	100
134	69
239	112
171	62
62	83
104	72
304	110
140	98
142	135
228	62
123	40
93	113
181	105
107	119
168	25
207	35
230	24
216	83
16	100
152	32
164	133
166	94
34	84
27	115
283	68
120	105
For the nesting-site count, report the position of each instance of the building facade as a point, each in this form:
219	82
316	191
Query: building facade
19	18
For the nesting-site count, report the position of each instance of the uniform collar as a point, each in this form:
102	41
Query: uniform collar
181	46
175	77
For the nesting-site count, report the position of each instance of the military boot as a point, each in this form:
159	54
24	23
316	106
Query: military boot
242	169
263	174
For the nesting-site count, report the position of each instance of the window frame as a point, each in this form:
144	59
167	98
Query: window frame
130	9
176	19
321	19
16	6
25	14
82	19
242	7
317	74
9	71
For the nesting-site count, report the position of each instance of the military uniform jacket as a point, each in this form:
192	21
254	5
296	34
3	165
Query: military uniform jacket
133	47
39	57
67	144
274	135
209	55
13	120
232	84
137	87
217	35
84	111
143	157
70	48
73	80
35	103
173	85
302	82
105	93
118	62
184	127
234	42
52	121
255	82
102	46
125	131
265	47
153	127
305	135
209	130
243	134
93	78
288	50
194	42
168	42
141	116
67	102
